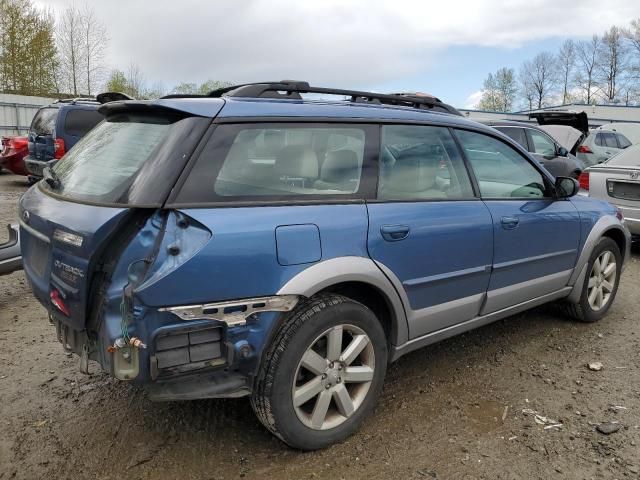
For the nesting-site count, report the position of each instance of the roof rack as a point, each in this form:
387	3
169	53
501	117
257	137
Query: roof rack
291	89
73	101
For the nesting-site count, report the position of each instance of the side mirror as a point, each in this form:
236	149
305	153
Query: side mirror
563	152
566	187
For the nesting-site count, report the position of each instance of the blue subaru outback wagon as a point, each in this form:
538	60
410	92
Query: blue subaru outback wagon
254	243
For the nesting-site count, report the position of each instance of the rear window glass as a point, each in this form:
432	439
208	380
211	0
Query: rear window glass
44	121
246	162
103	164
516	134
79	122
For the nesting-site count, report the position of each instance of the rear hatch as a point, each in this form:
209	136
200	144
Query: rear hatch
78	219
577	120
42	134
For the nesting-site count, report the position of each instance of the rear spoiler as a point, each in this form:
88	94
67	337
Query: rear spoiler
106	97
577	120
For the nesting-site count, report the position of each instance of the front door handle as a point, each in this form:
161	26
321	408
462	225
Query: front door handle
393	233
509	223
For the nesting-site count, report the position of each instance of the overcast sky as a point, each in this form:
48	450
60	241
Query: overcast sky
445	47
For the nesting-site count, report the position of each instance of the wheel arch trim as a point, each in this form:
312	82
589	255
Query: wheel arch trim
599	230
331	272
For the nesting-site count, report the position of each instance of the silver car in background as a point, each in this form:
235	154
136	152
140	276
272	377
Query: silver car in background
618	181
600	145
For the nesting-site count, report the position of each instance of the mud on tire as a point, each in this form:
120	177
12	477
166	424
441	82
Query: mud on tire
273	401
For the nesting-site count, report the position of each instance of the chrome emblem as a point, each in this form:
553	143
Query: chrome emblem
634	175
66	237
25	216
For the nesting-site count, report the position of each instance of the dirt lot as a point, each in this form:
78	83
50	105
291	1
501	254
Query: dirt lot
453	410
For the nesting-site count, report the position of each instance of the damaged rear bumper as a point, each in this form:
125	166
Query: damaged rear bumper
10	257
212	352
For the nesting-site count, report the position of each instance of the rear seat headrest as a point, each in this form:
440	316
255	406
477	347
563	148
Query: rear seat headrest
339	166
413	173
297	161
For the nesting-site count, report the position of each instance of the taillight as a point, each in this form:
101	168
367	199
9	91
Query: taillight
58	302
583	180
584	149
59	148
18	143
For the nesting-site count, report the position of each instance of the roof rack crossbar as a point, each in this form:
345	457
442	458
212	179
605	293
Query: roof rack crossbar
292	89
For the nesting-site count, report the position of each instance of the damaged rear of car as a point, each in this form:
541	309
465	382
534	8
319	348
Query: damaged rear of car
95	237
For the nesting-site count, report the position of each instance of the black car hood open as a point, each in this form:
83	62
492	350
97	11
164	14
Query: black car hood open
577	120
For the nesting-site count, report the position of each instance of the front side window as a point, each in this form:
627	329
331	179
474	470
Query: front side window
272	161
421	163
542	144
500	170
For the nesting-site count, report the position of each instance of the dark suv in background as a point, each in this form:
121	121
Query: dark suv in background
56	128
555	158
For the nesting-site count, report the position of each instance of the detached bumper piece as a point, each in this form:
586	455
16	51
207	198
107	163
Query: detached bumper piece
181	351
10	257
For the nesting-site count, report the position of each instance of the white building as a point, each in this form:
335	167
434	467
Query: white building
16	112
598	114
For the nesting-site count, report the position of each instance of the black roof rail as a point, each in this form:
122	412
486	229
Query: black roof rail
291	89
77	100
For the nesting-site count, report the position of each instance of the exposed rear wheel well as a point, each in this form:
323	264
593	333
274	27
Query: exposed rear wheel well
373	299
618	237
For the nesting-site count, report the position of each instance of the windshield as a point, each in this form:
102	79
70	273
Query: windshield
109	164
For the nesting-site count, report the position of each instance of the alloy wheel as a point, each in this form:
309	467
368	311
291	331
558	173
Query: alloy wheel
602	280
333	377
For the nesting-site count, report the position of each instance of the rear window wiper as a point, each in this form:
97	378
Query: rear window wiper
51	177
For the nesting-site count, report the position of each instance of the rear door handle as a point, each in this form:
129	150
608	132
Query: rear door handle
393	233
509	223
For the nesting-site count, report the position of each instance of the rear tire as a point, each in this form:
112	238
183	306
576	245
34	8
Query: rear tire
600	284
323	374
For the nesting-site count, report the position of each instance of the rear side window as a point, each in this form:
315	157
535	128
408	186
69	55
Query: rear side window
516	134
609	140
421	163
500	170
44	121
599	140
623	141
79	122
278	161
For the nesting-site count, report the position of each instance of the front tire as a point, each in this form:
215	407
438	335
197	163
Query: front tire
323	374
601	282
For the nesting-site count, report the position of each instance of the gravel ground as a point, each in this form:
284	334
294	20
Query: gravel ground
460	409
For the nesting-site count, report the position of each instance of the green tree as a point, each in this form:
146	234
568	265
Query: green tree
28	55
499	91
117	82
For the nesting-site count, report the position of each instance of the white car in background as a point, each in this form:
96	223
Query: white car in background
618	181
601	145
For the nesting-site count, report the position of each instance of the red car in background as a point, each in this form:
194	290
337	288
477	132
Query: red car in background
14	149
